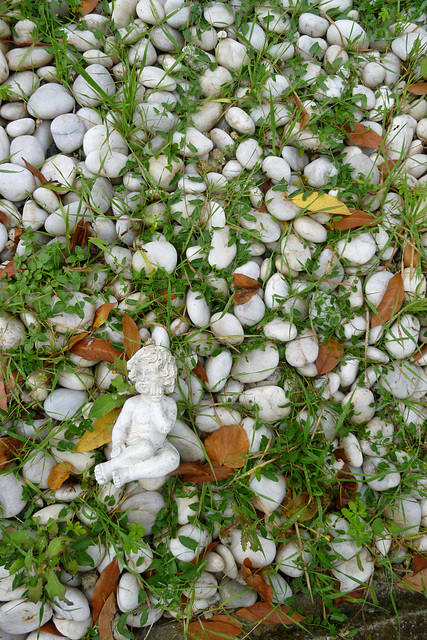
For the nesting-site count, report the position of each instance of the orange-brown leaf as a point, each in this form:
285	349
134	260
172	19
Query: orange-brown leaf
410	256
132	339
361	135
356	219
106	617
101	314
200	372
197	472
87	6
391	302
245	282
3	217
10	448
418	88
204	552
96	349
329	356
49	627
414	581
10	269
267	613
418	563
242	296
59	474
105	586
228	446
38	174
357	594
255	580
3	396
301	503
76	339
80	234
420	354
217	628
387	166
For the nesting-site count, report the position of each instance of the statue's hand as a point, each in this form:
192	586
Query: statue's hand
117	449
156	394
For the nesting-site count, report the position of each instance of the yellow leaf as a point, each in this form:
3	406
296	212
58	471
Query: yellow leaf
101	433
315	202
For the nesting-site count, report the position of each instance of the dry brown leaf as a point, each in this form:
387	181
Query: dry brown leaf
267	613
418	563
420	354
387	166
80	234
348	486
246	288
390	303
3	396
197	472
255	580
228	446
38	174
329	356
10	269
410	256
132	339
49	627
304	117
356	219
106	617
96	349
200	372
105	586
10	448
362	136
418	88
87	6
100	434
101	314
301	502
414	581
217	628
357	594
3	217
204	552
59	474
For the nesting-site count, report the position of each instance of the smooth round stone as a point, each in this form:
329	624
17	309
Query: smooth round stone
233	594
74	606
270	401
251	312
37	469
221	255
303	350
259	558
359	250
192	143
282	330
266	228
49	101
256	365
227	328
12	501
26	147
24	616
363	401
404	45
12	332
153	255
127	592
16	182
60	169
240	121
4	145
102	137
89	96
197	308
401	340
403	379
28	58
346	32
217	370
406	513
3	236
64	403
21	127
68	131
231	55
186	442
22	84
109	165
69	321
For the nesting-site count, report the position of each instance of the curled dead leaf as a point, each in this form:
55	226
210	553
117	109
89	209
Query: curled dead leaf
418	88
100	433
200	372
228	446
246	288
418	563
106	617
96	349
267	613
80	234
410	255
300	503
132	338
255	580
10	449
348	486
219	627
420	354
329	356
87	6
390	303
197	472
59	474
362	136
10	270
353	221
102	313
105	586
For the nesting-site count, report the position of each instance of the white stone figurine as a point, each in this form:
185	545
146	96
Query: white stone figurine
140	449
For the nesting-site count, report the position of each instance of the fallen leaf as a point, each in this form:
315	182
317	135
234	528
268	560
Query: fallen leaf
302	504
228	446
357	594
80	234
204	552
200	372
390	303
96	349
387	166
106	617
38	174
59	474
255	580
329	356
420	354
49	627
10	448
410	256
197	472
348	486
217	628
10	270
100	434
339	454
304	117
101	314
267	613
414	581
320	202
86	7
132	339
362	136
105	586
76	339
355	219
418	88
3	396
418	563
246	288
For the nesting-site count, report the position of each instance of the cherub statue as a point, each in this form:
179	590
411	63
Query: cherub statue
140	449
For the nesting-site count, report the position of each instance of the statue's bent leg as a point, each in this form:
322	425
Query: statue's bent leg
166	460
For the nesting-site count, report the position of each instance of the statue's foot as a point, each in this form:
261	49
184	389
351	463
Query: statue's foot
100	476
118	479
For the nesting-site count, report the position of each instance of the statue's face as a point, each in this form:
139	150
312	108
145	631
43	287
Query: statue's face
147	377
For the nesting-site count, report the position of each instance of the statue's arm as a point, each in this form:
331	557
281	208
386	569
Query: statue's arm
163	412
121	429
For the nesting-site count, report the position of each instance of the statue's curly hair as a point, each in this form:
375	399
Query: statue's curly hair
158	354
